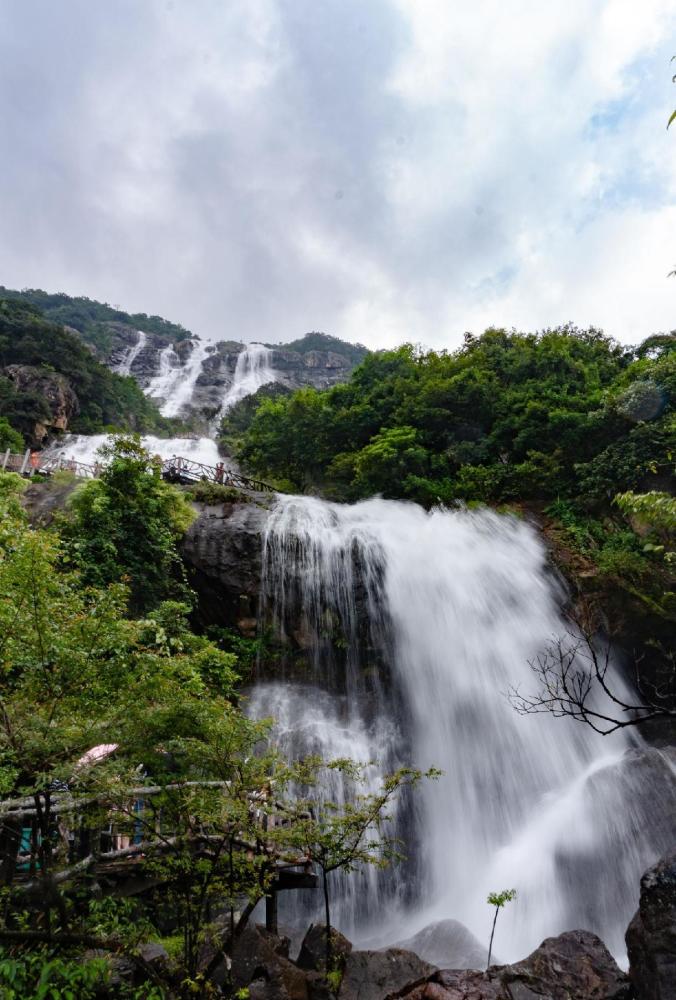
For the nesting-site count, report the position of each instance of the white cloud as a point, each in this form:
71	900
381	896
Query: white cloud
403	169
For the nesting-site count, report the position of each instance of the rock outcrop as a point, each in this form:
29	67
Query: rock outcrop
54	390
573	966
312	954
260	963
651	935
293	369
222	552
373	975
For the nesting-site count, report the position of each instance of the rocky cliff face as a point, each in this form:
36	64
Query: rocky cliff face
222	552
54	390
146	364
293	369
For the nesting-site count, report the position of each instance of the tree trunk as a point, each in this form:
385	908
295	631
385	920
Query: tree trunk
490	944
327	914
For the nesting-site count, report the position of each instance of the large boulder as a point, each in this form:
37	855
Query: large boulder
372	975
457	984
312	954
448	945
651	935
573	966
259	964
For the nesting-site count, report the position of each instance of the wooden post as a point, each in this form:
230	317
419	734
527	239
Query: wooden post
5	459
271	912
25	462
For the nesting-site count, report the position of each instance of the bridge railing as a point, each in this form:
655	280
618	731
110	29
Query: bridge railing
176	469
32	463
186	470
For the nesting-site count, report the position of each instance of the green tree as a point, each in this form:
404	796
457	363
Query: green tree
9	438
127	523
351	835
498	900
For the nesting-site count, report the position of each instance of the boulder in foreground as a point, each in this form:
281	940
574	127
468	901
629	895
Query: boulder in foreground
651	936
573	966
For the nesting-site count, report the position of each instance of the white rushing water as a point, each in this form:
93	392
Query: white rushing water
437	616
125	366
162	385
84	448
180	392
253	370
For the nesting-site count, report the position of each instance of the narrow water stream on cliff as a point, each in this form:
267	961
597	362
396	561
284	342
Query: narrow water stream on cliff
411	628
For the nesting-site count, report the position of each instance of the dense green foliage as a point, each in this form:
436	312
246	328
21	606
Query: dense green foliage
316	341
125	726
105	399
127	523
508	416
90	317
238	418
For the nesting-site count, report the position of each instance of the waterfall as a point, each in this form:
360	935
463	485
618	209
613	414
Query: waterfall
414	627
162	385
253	369
182	390
125	366
84	448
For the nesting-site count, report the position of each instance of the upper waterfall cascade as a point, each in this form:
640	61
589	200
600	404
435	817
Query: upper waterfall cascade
162	385
437	615
253	370
179	392
125	366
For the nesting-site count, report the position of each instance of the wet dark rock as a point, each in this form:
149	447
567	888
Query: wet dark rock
457	984
372	975
573	966
222	552
313	949
259	964
651	935
448	944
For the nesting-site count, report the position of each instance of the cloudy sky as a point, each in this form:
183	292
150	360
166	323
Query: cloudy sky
384	170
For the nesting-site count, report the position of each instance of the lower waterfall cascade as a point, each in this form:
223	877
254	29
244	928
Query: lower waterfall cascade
85	448
437	615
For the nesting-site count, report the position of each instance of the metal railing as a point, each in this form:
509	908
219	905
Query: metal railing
175	470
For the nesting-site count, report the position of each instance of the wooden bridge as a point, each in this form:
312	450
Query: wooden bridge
176	469
123	857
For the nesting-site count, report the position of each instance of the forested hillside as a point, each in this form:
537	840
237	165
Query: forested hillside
91	318
50	381
565	413
315	341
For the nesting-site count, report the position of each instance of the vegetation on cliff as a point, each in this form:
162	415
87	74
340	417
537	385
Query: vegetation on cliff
122	744
44	349
91	318
315	341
